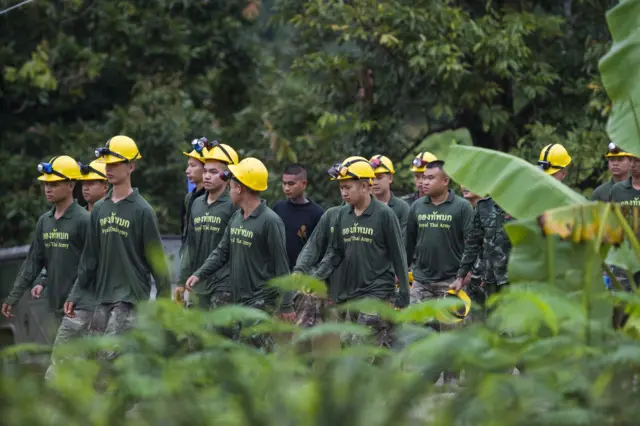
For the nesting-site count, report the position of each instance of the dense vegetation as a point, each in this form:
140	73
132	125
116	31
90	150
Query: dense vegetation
287	80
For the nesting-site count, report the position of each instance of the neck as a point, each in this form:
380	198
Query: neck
90	206
421	194
619	178
439	199
122	190
299	200
214	195
635	181
248	206
63	205
199	186
362	205
384	197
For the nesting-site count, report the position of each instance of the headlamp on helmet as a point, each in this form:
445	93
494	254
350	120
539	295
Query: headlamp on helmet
614	149
45	168
225	175
199	144
334	171
102	152
544	165
419	162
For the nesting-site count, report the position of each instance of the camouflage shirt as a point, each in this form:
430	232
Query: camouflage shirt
488	239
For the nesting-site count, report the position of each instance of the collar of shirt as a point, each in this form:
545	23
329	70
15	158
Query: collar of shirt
369	210
223	197
131	198
67	213
450	197
258	210
392	200
628	183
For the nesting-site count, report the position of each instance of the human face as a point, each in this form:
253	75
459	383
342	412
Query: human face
418	177
353	192
560	175
293	186
435	182
635	167
93	190
56	192
470	196
118	173
194	171
235	191
211	175
619	166
382	184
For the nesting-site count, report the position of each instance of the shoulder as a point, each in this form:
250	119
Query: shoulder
401	203
382	208
316	208
279	204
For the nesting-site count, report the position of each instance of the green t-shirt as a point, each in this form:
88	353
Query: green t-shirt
368	249
602	192
57	246
256	250
401	209
207	223
436	234
123	247
625	194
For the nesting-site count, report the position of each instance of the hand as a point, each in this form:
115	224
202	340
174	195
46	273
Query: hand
457	284
69	310
467	279
288	316
191	281
6	310
36	291
178	295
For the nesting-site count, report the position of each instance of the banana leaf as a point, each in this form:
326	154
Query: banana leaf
620	70
520	188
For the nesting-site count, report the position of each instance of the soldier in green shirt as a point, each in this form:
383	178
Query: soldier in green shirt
554	160
418	166
254	244
208	219
367	245
381	188
619	163
123	247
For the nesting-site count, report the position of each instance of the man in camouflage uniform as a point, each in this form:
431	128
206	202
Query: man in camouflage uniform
474	279
489	240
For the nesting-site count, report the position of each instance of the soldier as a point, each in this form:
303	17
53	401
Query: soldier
418	166
367	245
619	163
554	160
474	279
437	227
488	240
381	189
123	246
254	244
94	182
194	171
208	219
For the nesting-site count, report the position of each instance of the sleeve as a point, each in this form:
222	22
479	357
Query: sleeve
472	246
403	219
468	214
31	267
314	249
334	254
218	257
278	247
154	254
183	217
42	278
411	234
186	257
88	264
393	236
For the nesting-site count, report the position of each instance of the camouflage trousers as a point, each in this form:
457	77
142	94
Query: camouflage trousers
310	309
110	320
212	300
420	292
382	329
620	318
70	329
261	341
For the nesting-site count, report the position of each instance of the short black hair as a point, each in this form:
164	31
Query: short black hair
437	164
296	170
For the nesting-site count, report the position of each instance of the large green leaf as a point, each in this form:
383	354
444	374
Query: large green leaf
521	189
620	69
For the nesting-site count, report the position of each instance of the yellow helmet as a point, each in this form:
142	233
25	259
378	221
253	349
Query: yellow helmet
118	149
250	172
419	164
93	171
615	151
553	157
455	315
382	164
59	169
355	168
222	152
200	149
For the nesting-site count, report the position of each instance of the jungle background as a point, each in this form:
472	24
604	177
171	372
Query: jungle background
286	80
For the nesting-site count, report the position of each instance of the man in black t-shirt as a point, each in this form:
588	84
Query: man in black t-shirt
299	214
